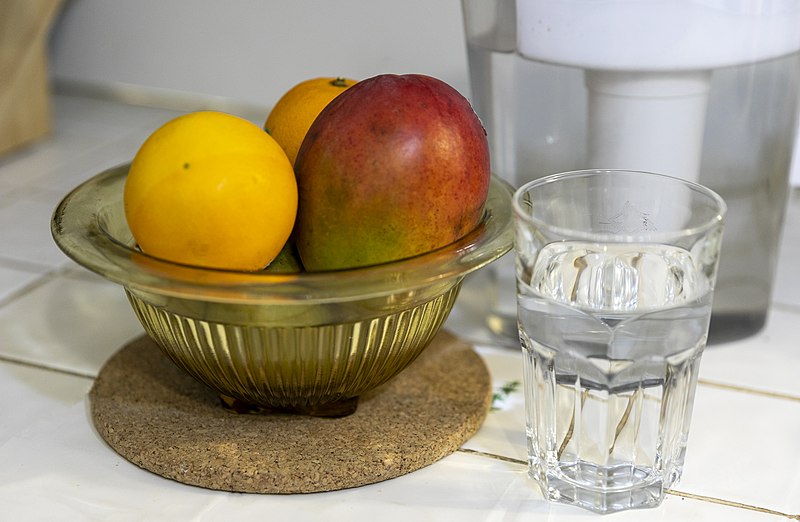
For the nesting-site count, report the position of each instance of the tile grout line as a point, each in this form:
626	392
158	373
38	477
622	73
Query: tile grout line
37	366
749	390
492	456
39	281
703	498
732	504
24	265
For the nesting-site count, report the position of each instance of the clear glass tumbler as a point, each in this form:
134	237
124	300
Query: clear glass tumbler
615	276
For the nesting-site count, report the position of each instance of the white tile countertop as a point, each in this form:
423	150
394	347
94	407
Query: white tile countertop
59	324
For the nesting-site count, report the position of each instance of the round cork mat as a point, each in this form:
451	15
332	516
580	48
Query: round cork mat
161	419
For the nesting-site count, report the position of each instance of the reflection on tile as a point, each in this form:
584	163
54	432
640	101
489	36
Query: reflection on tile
744	447
732	445
503	431
25	235
10	193
29	394
55	468
107	113
53	314
67	143
787	290
60	469
70	175
767	361
69	323
13	280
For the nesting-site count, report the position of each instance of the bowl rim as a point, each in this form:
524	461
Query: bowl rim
79	228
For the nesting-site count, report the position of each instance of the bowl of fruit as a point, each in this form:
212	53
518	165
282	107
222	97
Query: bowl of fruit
298	287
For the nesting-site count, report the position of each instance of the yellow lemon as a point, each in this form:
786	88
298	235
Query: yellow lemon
290	119
211	189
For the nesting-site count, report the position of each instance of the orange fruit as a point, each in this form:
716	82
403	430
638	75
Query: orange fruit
290	119
211	189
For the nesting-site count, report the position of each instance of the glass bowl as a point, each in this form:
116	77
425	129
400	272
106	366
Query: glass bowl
309	343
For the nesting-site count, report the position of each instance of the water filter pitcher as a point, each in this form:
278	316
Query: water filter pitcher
704	90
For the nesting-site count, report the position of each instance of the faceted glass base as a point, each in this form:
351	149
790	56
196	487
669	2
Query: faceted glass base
601	489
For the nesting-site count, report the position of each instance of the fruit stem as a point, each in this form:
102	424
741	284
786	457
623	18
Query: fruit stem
339	82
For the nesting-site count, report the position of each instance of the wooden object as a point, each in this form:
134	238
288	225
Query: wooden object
161	419
25	113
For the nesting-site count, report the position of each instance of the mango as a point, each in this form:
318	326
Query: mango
395	166
287	261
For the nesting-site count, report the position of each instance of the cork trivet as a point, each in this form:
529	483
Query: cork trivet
161	419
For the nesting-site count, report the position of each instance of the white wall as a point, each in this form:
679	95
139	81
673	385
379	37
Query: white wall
254	50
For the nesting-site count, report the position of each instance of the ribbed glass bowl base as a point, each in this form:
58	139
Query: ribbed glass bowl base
315	369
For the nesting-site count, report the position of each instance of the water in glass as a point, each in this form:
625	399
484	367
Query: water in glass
612	337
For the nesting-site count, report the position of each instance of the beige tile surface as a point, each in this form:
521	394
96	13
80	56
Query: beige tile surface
59	323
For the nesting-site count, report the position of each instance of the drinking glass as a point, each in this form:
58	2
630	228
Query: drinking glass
615	275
